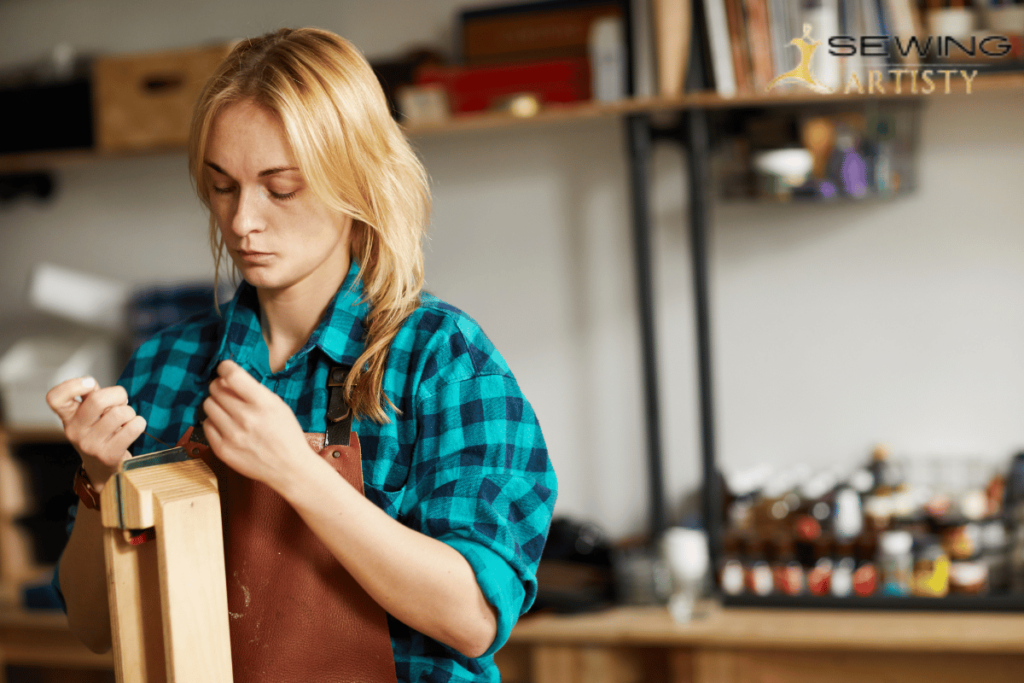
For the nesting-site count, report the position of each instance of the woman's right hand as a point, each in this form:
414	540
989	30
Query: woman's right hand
98	422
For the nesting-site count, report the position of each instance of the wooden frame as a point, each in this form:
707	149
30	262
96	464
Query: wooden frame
168	597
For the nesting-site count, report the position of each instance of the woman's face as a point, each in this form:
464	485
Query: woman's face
278	233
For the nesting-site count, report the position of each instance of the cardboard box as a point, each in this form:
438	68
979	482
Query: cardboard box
145	101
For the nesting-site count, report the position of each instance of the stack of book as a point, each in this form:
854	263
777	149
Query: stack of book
758	45
554	52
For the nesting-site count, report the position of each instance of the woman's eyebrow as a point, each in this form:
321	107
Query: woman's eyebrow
272	171
261	174
217	168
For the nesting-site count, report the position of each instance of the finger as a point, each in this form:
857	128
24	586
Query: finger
218	416
63	398
226	397
112	421
237	379
115	451
214	437
127	434
97	403
94	440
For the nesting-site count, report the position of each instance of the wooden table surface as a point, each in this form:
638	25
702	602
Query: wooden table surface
788	629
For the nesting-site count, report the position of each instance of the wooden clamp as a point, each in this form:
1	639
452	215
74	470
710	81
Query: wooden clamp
168	598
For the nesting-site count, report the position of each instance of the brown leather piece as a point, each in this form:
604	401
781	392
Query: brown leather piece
296	614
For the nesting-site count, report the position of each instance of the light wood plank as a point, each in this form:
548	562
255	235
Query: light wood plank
192	584
135	611
169	611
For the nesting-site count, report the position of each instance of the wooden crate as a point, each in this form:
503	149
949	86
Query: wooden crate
145	101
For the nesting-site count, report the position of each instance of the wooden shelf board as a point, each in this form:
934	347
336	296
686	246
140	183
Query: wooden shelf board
14	163
699	100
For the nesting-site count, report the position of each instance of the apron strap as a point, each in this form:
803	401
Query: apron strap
339	415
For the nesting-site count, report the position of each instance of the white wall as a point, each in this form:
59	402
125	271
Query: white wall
834	326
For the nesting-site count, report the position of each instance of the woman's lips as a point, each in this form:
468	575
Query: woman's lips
253	256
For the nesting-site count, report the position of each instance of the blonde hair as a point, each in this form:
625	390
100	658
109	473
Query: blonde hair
354	157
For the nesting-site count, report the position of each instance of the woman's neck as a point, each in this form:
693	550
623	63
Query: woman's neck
289	316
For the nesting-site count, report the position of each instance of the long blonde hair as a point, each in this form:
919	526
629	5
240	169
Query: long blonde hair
354	157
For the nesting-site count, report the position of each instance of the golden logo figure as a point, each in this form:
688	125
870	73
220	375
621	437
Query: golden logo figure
802	73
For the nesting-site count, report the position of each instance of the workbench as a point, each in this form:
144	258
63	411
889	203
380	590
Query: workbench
644	645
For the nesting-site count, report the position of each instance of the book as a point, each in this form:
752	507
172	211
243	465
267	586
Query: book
721	50
672	26
643	66
760	42
738	43
823	16
532	31
781	35
904	23
873	23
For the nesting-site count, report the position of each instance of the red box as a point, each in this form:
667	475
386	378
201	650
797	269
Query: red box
481	87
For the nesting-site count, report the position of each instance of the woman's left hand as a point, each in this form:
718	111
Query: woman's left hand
251	429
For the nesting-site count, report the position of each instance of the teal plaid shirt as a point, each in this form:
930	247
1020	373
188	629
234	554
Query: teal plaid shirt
464	460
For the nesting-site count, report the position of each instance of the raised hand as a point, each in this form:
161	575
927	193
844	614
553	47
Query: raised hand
252	430
98	422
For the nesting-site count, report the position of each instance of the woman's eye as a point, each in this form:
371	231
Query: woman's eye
223	190
286	195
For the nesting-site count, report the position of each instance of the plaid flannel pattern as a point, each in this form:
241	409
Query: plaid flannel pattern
464	460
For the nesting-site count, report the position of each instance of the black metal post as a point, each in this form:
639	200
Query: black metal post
639	139
695	138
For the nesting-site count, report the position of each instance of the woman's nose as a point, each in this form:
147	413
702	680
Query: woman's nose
247	213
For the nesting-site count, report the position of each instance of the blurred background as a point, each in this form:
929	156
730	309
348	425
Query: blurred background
865	285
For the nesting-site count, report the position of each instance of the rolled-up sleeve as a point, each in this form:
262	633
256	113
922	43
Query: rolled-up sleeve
481	481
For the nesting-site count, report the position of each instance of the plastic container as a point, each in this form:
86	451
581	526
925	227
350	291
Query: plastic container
34	365
686	553
897	562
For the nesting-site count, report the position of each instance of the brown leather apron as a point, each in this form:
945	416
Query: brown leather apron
296	614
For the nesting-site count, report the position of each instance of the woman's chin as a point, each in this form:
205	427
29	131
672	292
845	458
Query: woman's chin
260	278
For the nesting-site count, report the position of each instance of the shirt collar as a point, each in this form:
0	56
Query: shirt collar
339	334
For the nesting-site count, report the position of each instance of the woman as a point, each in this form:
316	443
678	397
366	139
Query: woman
321	205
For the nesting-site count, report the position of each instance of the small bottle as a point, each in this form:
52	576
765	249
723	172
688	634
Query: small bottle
848	516
788	574
730	573
757	571
931	570
842	571
968	577
887	474
865	576
897	562
995	555
819	576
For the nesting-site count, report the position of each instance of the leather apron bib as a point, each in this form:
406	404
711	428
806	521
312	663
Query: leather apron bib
296	614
